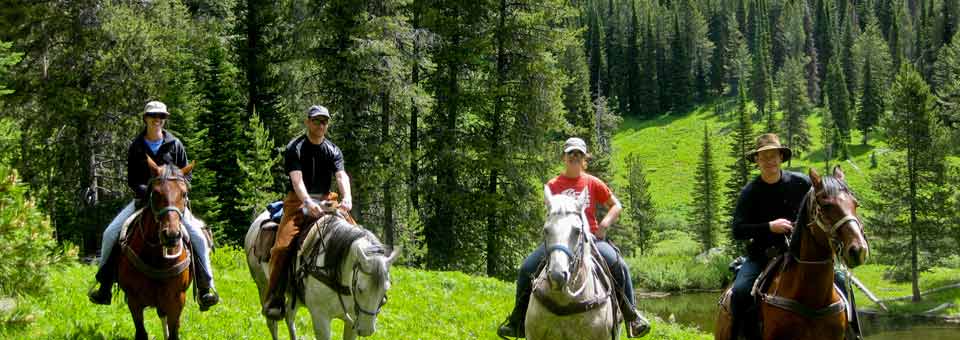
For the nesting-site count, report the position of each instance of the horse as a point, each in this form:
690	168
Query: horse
353	288
801	301
154	271
570	299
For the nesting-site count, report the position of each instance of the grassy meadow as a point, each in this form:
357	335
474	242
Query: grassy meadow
423	305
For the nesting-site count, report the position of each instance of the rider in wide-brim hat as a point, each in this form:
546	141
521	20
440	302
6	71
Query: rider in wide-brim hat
769	141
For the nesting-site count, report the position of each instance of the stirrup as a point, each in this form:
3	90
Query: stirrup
208	299
98	296
504	327
644	327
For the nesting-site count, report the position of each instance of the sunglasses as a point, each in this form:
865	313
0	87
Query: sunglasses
575	154
157	115
320	121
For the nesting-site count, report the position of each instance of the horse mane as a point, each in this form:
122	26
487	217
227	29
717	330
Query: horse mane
832	187
339	236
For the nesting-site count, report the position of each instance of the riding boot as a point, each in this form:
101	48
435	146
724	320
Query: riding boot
513	326
207	294
274	305
106	275
637	325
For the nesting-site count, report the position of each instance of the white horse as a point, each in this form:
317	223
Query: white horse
364	277
570	300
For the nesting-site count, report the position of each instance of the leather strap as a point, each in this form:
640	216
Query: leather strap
799	308
574	308
153	272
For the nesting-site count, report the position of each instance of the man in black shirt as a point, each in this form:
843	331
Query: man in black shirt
764	217
311	161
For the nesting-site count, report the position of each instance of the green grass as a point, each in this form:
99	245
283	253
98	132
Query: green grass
669	147
423	305
872	276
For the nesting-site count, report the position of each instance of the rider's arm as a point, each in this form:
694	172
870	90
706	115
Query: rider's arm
613	212
343	182
296	179
742	229
134	177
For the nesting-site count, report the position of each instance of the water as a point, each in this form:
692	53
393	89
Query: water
700	310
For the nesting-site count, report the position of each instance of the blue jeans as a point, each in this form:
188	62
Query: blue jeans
198	241
621	274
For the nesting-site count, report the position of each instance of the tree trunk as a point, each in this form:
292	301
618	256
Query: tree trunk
414	174
389	232
493	249
914	270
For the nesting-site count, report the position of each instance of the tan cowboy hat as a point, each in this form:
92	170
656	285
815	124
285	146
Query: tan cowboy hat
769	141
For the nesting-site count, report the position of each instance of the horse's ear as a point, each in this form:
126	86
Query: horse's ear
546	195
187	169
815	179
394	255
584	198
154	168
838	173
365	262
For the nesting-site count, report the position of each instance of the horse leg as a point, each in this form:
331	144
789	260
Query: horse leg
136	311
321	325
348	332
272	326
291	319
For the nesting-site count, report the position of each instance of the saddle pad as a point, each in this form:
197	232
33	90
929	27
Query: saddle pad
126	224
265	240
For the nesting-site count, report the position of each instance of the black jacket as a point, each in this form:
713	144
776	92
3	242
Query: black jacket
760	203
138	173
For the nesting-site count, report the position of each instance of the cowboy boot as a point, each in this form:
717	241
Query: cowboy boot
513	326
105	276
207	294
274	305
637	325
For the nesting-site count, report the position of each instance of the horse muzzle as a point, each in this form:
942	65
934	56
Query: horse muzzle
856	255
558	279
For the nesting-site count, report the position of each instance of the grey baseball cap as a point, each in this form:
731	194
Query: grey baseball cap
155	107
574	143
318	110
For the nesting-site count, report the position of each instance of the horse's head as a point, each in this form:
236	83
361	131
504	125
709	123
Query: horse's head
564	234
166	198
835	213
371	280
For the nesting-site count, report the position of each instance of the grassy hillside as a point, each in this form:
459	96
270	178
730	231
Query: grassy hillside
669	147
423	305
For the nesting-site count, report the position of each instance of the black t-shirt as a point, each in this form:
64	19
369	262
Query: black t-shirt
318	162
760	203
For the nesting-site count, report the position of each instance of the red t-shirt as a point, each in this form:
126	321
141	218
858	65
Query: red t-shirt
599	193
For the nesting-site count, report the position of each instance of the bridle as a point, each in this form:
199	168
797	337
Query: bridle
815	211
357	309
576	255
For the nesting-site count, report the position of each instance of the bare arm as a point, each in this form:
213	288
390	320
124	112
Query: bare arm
613	213
343	182
296	178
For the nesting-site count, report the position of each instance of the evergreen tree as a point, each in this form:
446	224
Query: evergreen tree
260	29
741	144
828	134
640	206
795	105
823	35
738	62
681	79
594	53
871	102
839	105
951	20
812	68
851	31
761	84
913	131
648	89
719	35
706	196
254	164
633	97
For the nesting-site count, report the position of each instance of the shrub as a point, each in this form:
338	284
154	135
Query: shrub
26	240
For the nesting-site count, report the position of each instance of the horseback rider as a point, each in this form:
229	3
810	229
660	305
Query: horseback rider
764	215
163	148
572	182
310	160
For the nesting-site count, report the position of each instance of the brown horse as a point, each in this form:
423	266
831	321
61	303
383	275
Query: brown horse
154	271
800	302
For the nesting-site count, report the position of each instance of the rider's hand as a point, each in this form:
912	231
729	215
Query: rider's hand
602	231
346	204
313	209
781	226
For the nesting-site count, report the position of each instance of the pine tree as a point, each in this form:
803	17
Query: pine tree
594	53
839	105
812	68
871	102
640	206
828	134
823	35
851	31
761	84
951	19
681	79
706	196
738	62
254	164
795	105
719	35
741	144
633	98
913	130
649	87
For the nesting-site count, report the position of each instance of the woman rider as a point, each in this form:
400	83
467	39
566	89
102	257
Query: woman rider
573	181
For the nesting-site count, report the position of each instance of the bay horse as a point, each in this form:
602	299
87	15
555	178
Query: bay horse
342	272
800	301
155	268
570	299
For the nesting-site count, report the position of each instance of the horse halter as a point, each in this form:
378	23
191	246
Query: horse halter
816	213
357	309
577	254
162	178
